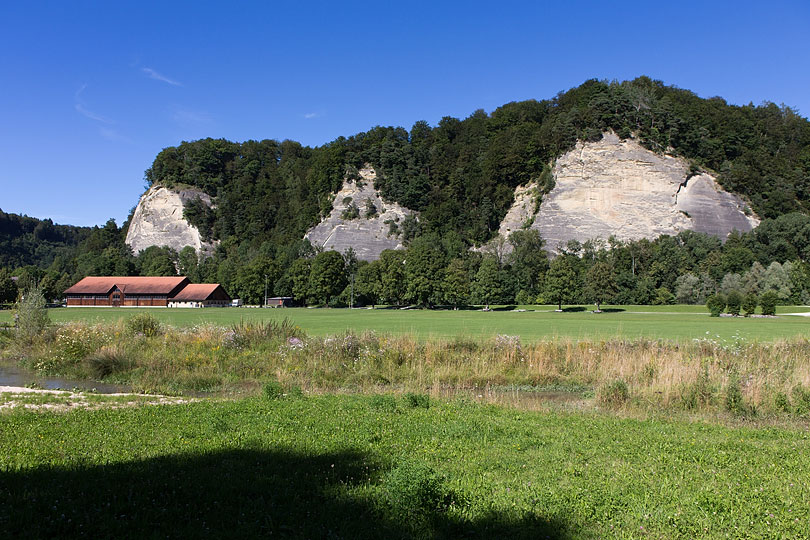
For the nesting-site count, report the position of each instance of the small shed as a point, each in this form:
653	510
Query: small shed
280	301
201	295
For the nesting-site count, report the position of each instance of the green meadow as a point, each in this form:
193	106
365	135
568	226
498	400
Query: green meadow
676	323
387	466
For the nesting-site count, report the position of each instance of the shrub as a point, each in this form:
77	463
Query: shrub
733	302
144	324
698	394
801	400
417	400
749	304
614	394
768	301
273	390
781	402
244	334
716	304
108	360
734	397
663	297
30	315
524	298
415	491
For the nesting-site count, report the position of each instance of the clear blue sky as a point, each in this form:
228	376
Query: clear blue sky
92	91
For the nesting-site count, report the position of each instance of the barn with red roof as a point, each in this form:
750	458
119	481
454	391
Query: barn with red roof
140	291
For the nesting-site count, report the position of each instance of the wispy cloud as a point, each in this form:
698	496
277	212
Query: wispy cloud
78	105
91	115
152	74
311	115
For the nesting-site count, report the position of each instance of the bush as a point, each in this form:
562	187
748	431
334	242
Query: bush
614	394
273	390
733	302
716	304
108	360
734	397
415	491
700	393
768	301
417	400
749	304
781	402
663	297
801	400
30	315
144	324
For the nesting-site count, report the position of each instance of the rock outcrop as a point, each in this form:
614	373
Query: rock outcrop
619	188
158	221
353	223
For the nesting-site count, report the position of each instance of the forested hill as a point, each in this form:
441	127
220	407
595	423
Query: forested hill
461	174
29	241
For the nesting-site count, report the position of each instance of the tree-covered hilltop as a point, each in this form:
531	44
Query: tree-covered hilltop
461	174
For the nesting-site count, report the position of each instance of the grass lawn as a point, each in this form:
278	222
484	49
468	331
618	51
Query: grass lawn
657	322
386	467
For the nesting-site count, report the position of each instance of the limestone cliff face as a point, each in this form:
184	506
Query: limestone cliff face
619	188
158	221
367	236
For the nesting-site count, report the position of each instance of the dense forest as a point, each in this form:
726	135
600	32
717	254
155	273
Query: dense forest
460	175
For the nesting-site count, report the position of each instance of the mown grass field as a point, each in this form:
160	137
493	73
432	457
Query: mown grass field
385	467
677	323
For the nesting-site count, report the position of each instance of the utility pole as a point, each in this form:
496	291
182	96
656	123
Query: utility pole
265	290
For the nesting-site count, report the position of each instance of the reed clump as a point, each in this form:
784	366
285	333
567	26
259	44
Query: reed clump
740	376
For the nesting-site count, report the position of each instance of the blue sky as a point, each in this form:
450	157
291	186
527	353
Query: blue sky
90	92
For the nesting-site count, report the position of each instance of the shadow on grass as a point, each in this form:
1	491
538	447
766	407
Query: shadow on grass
612	310
229	494
574	309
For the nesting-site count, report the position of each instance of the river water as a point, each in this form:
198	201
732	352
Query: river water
14	376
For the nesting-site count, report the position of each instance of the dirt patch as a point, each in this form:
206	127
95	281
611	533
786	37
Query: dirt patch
12	397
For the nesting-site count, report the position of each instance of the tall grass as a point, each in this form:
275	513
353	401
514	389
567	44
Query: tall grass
703	374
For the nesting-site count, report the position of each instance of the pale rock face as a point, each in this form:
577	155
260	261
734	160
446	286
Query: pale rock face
368	237
619	188
158	221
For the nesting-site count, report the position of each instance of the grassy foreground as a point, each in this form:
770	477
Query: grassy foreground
674	323
387	467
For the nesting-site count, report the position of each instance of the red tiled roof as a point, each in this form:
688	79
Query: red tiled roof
195	292
127	284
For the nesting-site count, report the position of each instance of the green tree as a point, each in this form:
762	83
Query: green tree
368	283
733	302
600	283
456	284
716	303
749	304
299	275
768	301
562	280
487	288
423	265
392	276
327	277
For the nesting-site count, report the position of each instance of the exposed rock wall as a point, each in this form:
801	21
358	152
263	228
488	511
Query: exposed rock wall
158	221
368	237
617	187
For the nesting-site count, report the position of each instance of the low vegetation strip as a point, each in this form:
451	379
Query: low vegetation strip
393	467
737	376
674	323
